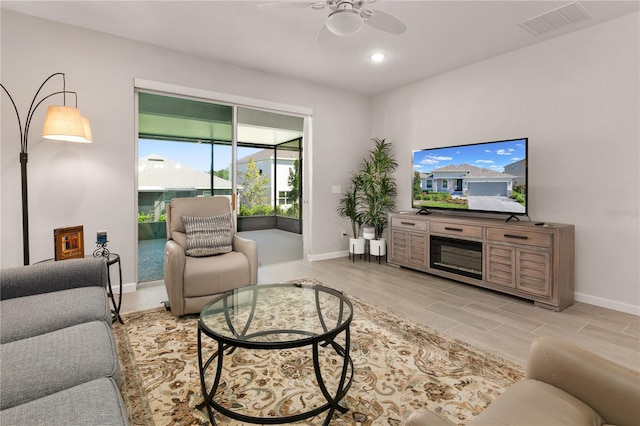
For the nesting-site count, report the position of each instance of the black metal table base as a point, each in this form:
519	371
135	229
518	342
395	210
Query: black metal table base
333	401
113	258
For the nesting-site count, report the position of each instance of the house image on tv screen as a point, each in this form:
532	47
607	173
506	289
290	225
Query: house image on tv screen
468	180
519	170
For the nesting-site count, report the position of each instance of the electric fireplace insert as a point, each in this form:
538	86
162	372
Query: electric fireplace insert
457	256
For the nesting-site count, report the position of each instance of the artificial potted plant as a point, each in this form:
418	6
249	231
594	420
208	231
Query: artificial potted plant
378	191
349	207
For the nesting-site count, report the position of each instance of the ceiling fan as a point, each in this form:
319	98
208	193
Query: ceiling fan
347	17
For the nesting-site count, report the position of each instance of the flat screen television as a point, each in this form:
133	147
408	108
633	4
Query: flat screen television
488	177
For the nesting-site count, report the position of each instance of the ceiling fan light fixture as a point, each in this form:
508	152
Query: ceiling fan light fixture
344	22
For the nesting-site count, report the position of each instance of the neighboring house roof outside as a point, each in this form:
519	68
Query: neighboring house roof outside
426	175
471	172
267	154
156	173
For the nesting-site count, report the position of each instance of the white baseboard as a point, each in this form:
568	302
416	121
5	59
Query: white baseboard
607	303
126	288
326	256
579	297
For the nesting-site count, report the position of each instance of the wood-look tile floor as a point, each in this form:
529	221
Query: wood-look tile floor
497	323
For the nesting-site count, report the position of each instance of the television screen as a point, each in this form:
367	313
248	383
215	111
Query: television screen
483	177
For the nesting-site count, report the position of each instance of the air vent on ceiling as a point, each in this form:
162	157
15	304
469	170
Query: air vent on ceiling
556	18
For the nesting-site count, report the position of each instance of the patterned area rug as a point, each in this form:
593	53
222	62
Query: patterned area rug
399	367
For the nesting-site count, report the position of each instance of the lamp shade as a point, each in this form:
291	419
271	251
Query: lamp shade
344	22
87	130
63	123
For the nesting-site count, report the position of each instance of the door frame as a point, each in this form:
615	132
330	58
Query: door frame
236	101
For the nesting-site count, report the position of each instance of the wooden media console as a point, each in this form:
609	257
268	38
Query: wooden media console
535	262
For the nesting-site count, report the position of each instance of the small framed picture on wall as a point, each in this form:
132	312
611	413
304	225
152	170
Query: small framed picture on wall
68	242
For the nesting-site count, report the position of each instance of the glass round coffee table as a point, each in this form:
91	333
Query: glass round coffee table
278	317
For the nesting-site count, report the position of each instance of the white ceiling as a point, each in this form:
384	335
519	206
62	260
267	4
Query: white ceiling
441	35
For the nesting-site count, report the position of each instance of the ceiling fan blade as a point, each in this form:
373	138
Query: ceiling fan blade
323	35
292	5
384	22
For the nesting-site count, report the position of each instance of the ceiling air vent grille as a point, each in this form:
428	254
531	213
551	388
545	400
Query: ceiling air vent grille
556	18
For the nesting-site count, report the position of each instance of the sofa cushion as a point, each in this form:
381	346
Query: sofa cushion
534	403
42	365
96	403
31	316
208	236
609	388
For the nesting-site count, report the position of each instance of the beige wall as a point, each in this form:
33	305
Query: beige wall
94	185
577	99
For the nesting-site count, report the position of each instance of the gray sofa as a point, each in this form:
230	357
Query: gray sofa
58	359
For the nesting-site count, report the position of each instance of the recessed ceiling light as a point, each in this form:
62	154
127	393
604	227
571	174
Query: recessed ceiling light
377	57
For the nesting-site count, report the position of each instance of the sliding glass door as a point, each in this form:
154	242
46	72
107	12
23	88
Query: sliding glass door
269	170
186	149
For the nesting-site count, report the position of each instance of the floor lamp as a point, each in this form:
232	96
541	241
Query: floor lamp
61	123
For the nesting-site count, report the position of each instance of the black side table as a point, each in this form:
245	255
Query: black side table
112	259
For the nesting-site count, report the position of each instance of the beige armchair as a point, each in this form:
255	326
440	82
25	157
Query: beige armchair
564	385
192	281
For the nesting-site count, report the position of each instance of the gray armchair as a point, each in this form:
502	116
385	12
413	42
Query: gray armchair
193	280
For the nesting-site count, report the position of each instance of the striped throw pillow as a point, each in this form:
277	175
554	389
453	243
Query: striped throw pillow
208	236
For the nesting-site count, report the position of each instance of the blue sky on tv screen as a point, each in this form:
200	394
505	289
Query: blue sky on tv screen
492	155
